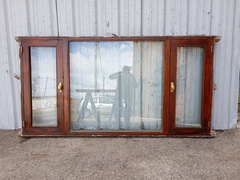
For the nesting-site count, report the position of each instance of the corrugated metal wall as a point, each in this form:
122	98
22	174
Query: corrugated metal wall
124	18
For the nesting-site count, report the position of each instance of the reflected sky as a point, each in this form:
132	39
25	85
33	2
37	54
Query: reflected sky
110	58
43	71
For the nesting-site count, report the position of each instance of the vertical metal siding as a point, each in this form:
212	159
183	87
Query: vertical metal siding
123	18
234	73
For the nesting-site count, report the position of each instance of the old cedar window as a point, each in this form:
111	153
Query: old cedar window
120	86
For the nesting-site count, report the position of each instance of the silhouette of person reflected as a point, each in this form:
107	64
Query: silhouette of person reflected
126	84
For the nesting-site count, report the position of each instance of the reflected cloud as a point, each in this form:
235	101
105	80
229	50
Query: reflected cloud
109	57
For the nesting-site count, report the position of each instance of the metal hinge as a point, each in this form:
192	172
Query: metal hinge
24	123
211	48
21	49
209	124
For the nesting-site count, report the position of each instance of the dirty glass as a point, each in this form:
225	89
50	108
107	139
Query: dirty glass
116	85
43	84
189	86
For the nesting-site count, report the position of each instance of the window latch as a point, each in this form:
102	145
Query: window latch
24	123
172	87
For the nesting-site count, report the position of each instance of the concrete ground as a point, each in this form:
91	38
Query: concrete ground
120	158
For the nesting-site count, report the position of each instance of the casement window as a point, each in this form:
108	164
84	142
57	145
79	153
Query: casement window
117	86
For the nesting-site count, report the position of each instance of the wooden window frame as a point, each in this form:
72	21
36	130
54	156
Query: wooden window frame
169	75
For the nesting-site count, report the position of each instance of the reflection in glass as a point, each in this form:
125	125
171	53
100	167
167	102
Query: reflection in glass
116	85
189	86
43	83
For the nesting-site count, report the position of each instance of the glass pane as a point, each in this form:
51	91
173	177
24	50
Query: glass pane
43	82
116	85
189	86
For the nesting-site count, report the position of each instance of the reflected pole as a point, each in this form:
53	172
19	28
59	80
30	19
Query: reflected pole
95	68
103	84
46	86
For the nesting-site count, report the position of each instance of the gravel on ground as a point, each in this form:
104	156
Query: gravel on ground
120	158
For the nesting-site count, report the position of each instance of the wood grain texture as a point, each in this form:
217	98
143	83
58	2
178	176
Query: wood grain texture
166	86
66	85
114	38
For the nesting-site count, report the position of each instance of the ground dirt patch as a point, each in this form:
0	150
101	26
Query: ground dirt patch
120	158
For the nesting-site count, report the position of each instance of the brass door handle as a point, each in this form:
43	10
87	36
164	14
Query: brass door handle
60	87
172	87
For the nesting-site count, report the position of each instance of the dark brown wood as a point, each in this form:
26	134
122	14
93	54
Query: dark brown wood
166	82
27	92
113	135
206	86
59	70
173	77
22	87
118	38
187	131
211	88
66	86
169	75
25	86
